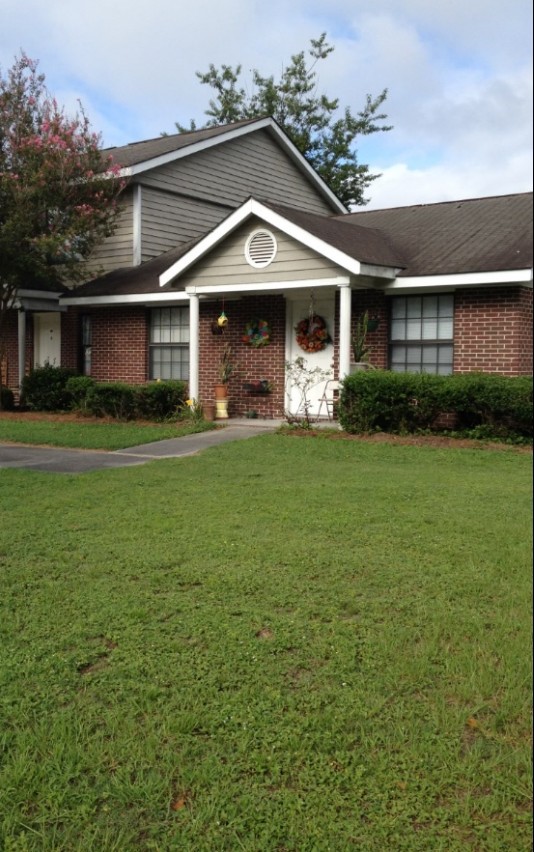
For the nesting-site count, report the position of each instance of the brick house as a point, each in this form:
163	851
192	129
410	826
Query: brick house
234	220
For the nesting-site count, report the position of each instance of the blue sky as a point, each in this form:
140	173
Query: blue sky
459	74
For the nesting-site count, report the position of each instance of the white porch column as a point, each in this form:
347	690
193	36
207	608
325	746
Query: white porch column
194	332
21	337
344	329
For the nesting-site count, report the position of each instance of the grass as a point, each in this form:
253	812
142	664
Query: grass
91	435
280	644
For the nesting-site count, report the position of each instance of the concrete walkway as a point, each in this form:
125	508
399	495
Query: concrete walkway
60	460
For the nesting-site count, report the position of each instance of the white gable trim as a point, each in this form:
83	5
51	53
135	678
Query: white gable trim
235	133
255	208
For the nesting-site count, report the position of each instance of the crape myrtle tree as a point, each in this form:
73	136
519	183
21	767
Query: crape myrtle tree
324	134
58	194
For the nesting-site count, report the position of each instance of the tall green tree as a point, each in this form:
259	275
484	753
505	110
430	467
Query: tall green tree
58	197
323	132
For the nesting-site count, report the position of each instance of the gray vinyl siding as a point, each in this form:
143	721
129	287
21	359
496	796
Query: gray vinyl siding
169	220
116	251
226	264
229	173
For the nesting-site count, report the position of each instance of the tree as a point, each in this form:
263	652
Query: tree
312	121
57	194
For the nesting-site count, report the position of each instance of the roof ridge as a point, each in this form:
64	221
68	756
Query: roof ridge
439	203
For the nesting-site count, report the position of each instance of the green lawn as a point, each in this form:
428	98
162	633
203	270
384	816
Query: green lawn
280	644
90	435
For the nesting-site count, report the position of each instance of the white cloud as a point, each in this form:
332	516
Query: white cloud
458	74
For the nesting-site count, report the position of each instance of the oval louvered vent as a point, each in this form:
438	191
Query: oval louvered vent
260	249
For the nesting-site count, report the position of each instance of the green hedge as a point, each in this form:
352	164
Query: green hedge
154	401
7	399
45	389
60	389
486	405
159	400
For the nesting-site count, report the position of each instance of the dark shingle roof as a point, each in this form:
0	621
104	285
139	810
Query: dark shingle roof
368	245
141	152
133	280
479	235
476	235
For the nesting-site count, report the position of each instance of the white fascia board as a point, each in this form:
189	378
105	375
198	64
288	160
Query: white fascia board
255	208
49	295
268	286
260	124
373	271
169	297
468	279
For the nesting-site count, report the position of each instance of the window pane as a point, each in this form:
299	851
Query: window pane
430	306
398	307
413	355
398	329
445	329
446	305
413	329
430	355
430	329
413	304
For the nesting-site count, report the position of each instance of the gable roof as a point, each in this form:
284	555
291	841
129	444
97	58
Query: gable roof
340	243
454	237
140	157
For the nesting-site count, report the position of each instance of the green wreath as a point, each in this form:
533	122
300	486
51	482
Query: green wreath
257	333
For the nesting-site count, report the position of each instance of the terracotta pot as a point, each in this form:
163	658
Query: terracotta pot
221	391
208	410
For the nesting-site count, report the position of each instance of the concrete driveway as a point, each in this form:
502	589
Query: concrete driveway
60	460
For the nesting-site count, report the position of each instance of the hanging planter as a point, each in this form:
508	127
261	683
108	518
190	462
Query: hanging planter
257	333
312	333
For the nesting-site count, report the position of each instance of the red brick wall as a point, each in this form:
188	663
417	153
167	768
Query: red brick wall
268	362
119	349
377	305
493	331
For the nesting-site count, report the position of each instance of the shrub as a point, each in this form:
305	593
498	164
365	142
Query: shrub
111	399
390	402
7	399
159	400
492	405
45	388
78	387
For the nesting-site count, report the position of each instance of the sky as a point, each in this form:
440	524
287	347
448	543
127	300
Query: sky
458	74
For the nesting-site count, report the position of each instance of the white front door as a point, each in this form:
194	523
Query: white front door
298	310
47	339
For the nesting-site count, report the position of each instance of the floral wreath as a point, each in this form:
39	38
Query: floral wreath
257	333
312	334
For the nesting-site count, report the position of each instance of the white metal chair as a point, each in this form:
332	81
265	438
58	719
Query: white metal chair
328	398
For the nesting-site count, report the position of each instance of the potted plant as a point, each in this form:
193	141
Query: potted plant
225	369
360	349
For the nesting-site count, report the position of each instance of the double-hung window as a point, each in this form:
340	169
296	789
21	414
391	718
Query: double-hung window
421	335
169	343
